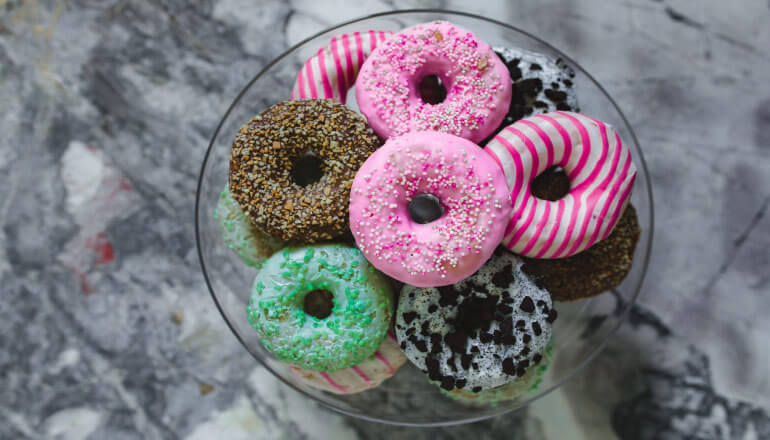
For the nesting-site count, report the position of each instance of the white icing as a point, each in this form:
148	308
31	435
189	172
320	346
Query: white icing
489	373
553	70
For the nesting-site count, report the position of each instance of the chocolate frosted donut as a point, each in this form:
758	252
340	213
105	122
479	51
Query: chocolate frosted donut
291	168
480	333
541	84
596	270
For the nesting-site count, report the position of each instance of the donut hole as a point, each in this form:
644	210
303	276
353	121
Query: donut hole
432	90
308	170
425	208
552	184
318	303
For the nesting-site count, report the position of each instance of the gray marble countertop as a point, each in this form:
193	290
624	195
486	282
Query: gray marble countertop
107	330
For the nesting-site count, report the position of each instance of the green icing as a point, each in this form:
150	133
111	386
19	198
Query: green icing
240	234
360	315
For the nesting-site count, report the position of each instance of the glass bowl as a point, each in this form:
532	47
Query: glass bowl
583	327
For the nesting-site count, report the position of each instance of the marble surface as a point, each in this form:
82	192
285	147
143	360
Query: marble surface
107	329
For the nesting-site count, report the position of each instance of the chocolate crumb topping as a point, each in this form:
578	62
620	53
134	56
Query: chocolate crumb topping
409	317
551	316
503	277
483	331
527	305
509	367
540	84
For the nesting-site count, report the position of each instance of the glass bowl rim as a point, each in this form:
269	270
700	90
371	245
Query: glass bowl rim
622	317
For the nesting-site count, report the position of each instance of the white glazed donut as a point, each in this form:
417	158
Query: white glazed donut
333	69
366	375
480	333
601	176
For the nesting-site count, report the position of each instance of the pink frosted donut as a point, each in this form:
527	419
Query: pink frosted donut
333	69
477	82
472	207
601	177
366	375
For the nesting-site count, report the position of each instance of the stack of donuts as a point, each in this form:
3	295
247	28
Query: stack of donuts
441	225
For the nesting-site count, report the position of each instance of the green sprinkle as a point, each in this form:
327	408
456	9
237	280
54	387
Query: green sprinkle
360	315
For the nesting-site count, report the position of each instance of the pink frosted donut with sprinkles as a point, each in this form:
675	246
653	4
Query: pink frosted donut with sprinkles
429	208
601	176
477	83
364	376
332	71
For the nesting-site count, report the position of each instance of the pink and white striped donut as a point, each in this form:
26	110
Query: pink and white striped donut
601	176
332	71
366	375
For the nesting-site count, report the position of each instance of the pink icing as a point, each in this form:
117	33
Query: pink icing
601	177
333	383
385	361
366	375
362	375
478	83
470	186
332	71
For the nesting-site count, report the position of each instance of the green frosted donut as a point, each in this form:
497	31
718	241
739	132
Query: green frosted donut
240	234
287	307
513	389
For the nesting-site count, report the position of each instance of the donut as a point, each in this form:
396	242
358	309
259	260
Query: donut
332	71
477	83
321	307
512	390
596	270
601	176
266	177
240	234
364	376
428	208
480	333
541	84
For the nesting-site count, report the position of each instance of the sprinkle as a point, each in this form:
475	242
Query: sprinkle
457	236
476	87
267	148
359	317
